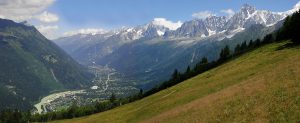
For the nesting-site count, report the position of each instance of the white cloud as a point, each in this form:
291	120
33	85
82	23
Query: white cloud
203	14
20	10
92	31
47	17
48	31
229	12
166	23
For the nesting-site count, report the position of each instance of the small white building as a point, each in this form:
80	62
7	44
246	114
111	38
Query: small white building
94	87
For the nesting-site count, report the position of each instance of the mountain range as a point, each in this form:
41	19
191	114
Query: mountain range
152	51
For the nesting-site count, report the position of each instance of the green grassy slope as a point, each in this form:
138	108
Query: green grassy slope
260	86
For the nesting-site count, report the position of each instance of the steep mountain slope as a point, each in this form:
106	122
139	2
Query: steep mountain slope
32	66
260	86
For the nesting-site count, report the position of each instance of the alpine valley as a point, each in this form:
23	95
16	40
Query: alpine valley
95	72
149	53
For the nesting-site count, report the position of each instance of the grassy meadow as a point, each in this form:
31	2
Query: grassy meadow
260	86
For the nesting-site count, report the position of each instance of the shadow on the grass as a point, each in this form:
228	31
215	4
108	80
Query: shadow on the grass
288	46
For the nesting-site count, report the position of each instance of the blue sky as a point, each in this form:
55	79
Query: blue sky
55	17
117	13
111	14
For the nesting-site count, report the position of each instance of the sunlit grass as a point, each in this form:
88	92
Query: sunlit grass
260	86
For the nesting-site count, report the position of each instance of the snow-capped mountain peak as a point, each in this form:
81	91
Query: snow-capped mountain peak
246	17
215	23
212	25
248	9
212	28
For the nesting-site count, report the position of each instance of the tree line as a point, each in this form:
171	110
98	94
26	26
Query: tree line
289	31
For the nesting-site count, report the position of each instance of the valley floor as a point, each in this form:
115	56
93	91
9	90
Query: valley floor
260	86
105	82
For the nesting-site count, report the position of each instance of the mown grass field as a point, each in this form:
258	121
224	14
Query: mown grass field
260	86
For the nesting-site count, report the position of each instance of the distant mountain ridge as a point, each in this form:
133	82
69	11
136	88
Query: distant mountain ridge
247	16
154	50
202	28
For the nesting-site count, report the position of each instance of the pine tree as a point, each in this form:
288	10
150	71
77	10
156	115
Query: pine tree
112	98
250	45
268	39
257	42
140	93
243	46
201	66
188	73
225	53
237	49
204	60
188	70
175	75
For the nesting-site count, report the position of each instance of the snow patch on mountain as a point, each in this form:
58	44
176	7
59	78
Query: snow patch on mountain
233	32
211	32
160	33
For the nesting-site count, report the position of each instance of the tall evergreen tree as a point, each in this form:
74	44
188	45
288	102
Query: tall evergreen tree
204	60
250	45
268	39
257	42
188	73
141	91
237	49
244	46
201	66
175	75
140	95
188	70
225	53
112	98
